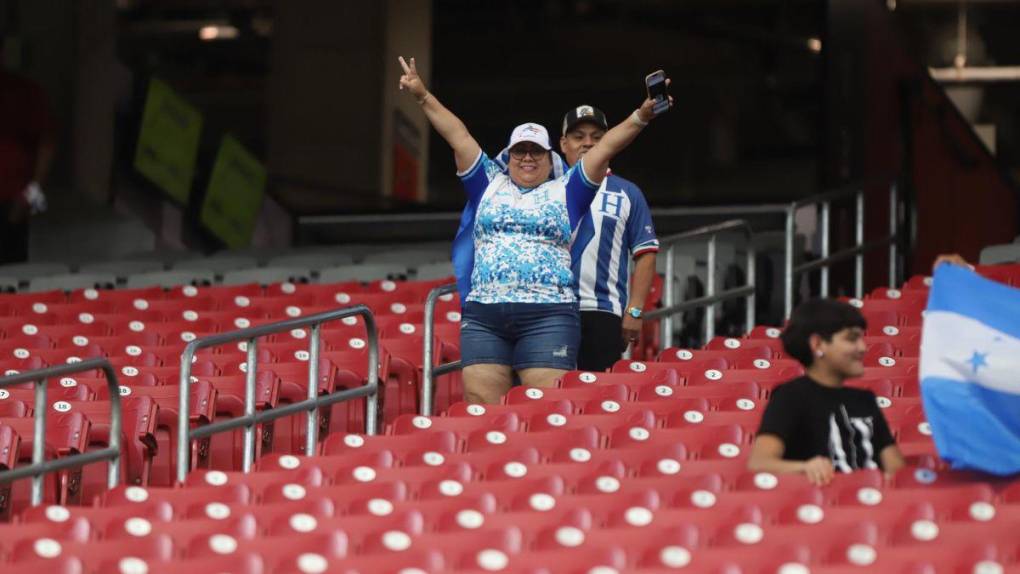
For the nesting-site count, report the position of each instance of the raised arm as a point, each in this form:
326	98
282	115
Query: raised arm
465	148
596	161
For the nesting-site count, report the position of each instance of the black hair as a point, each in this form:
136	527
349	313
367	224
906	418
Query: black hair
822	317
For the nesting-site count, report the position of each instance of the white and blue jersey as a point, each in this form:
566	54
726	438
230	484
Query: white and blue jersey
513	245
618	219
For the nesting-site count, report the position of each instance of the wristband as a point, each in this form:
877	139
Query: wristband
634	117
422	101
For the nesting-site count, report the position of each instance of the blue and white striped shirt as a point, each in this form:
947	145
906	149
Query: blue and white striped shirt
619	218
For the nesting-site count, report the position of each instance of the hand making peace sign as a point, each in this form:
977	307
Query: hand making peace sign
411	81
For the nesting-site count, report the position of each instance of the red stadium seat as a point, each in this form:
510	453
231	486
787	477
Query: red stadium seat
99	518
462	426
187	534
238	563
350	468
662	548
122	299
634	381
527	493
739	358
269	513
202	411
257	482
686	370
138	422
726	441
57	565
67	433
759	337
523	410
73	529
179	498
408	449
766	378
661	408
480	549
570	560
721	390
518	395
300	553
411	560
549	444
603	422
74	335
377	498
97	556
54	393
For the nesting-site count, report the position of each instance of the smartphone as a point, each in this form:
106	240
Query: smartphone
658	91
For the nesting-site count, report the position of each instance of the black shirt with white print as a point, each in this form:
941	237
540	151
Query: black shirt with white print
843	424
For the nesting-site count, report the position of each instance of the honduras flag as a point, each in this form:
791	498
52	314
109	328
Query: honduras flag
970	370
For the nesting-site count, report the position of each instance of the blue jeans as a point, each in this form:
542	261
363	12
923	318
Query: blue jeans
521	335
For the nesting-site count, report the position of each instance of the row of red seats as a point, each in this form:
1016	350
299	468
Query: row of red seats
381	529
225	296
653	428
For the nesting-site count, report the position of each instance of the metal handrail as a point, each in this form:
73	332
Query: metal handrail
310	405
40	466
824	200
430	372
671	308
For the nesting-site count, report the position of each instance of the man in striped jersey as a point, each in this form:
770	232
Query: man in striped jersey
618	224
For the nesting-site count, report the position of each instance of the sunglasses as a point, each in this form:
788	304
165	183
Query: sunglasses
535	151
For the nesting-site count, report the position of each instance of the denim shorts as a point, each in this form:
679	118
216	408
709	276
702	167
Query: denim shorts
521	335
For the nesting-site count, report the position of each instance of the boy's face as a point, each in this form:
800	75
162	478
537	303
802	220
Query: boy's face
844	353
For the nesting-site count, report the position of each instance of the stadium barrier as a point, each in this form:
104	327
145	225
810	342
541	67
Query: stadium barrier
41	467
311	405
825	200
709	234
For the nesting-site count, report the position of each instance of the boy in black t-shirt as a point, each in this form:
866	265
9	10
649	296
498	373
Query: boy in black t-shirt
813	424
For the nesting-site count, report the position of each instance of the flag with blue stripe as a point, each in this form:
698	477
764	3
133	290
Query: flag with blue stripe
970	370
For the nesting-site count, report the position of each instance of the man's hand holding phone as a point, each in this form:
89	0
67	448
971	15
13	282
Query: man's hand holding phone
658	91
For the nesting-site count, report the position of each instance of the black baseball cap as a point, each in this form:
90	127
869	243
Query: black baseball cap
584	113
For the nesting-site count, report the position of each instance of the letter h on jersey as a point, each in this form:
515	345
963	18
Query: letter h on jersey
611	204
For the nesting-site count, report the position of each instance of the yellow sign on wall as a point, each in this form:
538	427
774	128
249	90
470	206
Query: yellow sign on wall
233	199
168	141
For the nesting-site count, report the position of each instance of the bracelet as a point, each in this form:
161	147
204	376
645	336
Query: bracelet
422	101
634	117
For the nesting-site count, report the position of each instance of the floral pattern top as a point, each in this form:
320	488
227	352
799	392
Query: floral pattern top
522	237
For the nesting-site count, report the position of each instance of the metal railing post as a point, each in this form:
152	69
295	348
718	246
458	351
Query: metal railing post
250	391
183	417
40	466
894	205
428	352
372	399
39	444
252	418
312	422
668	286
859	238
749	311
710	291
788	262
824	230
